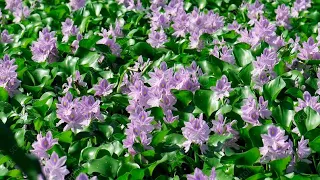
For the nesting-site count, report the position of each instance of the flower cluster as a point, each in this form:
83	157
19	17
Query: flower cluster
222	88
103	88
263	68
43	144
45	48
275	145
251	111
18	10
77	113
6	37
222	51
77	4
161	81
55	167
110	36
198	175
8	75
308	101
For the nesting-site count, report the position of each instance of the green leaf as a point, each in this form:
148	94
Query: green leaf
202	3
175	139
217	138
137	174
127	167
65	136
159	137
89	153
273	88
183	96
19	135
143	48
280	165
313	119
300	119
283	116
315	144
58	149
4	95
206	101
245	158
106	166
242	56
245	74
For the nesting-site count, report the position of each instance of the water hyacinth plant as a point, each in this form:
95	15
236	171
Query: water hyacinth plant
159	89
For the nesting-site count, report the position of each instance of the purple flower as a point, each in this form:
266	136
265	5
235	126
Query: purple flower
169	118
263	111
45	47
255	10
234	26
196	131
68	29
283	15
103	88
250	37
308	100
157	39
8	75
18	10
83	176
309	50
198	175
159	20
43	144
299	5
264	29
222	88
6	37
180	24
250	113
275	145
222	128
116	31
213	22
303	151
111	43
75	44
77	4
55	167
77	113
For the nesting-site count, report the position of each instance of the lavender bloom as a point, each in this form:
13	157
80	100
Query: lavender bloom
180	24
18	9
221	127
295	43
222	88
198	175
43	144
79	80
250	37
299	5
308	100
6	37
250	113
77	4
255	10
264	29
111	43
276	42
45	47
68	29
157	39
282	16
213	23
140	126
75	43
76	113
303	150
8	75
263	68
275	145
117	30
196	131
234	26
140	64
169	118
55	167
263	111
83	176
309	50
159	20
103	88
